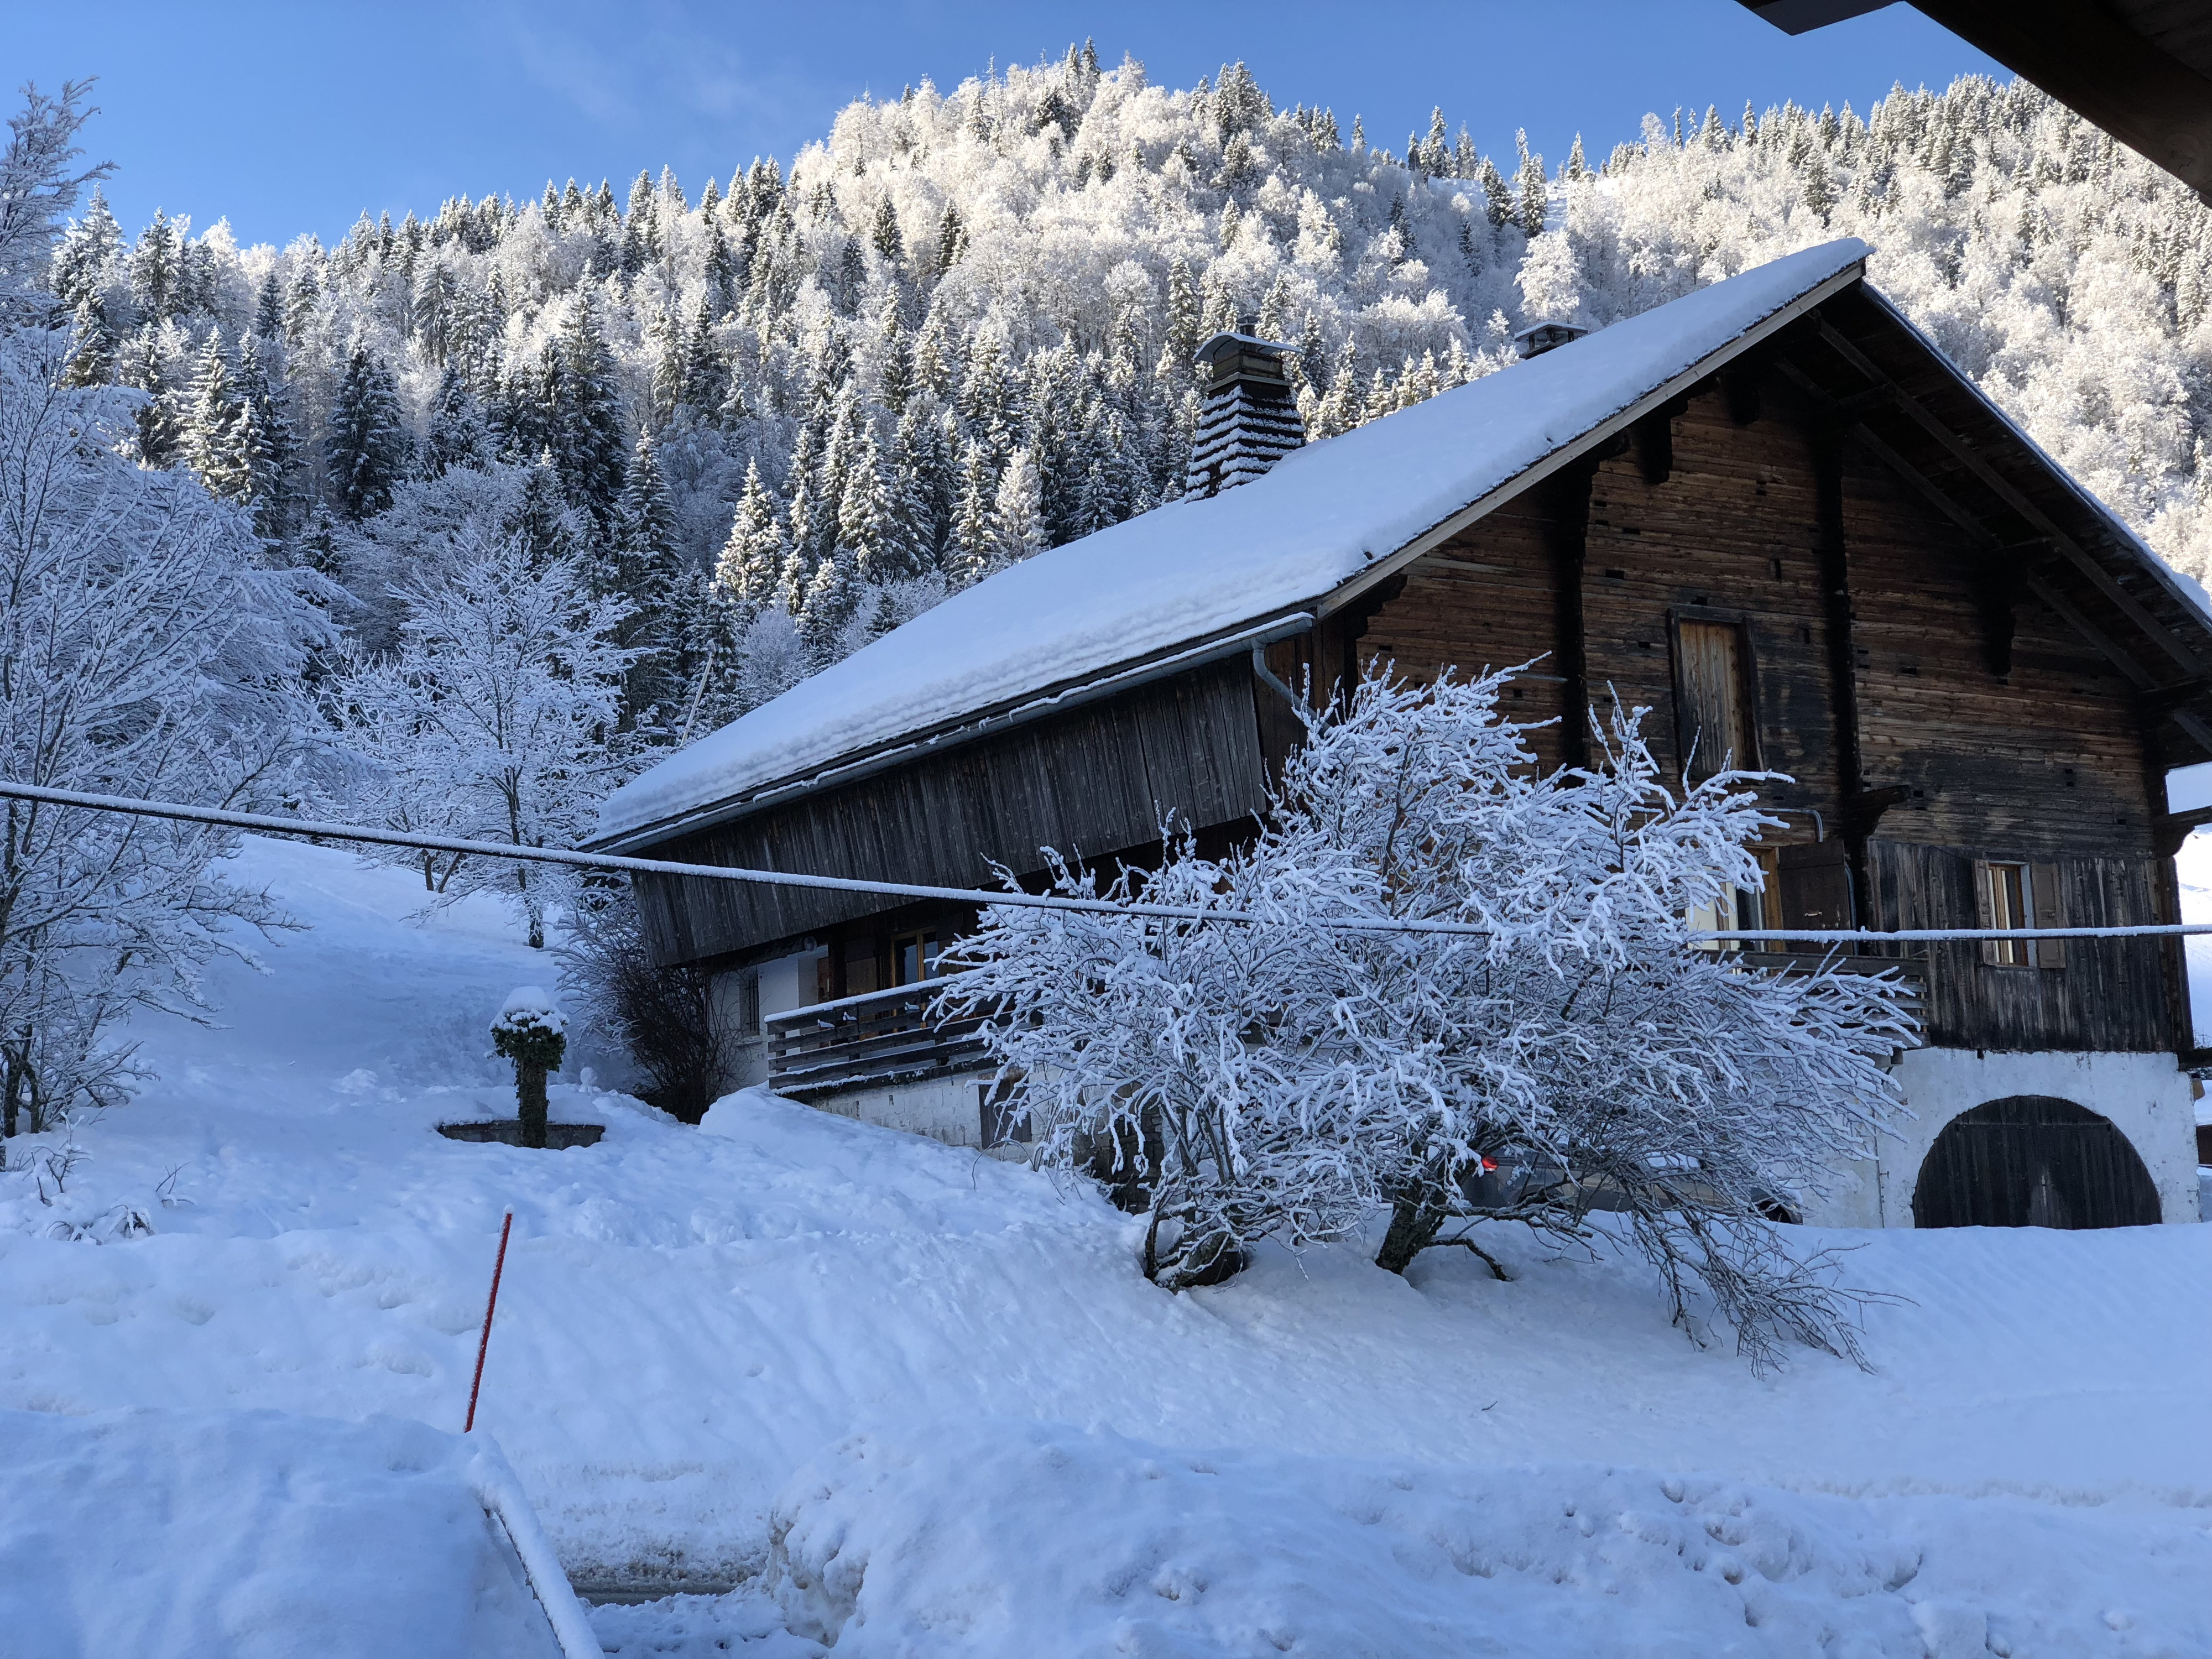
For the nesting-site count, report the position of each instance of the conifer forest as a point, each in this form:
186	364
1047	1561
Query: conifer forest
772	415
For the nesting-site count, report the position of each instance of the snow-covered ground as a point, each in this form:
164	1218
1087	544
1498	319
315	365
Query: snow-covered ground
259	1535
922	1402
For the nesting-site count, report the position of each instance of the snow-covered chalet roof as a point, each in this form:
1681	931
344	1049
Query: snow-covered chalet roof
1193	570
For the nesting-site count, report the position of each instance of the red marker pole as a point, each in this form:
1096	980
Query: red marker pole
498	1266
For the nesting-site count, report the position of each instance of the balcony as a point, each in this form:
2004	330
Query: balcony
877	1038
883	1037
1912	969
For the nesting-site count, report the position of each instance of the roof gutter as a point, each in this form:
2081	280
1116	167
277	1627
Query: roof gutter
1252	640
1390	564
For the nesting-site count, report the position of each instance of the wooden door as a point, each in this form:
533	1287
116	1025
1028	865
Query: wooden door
1713	709
2033	1161
1814	886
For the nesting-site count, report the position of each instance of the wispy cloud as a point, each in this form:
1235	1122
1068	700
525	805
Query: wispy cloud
660	59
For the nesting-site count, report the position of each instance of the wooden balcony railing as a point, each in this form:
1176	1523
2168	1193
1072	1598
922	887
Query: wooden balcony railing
875	1038
887	1036
1913	970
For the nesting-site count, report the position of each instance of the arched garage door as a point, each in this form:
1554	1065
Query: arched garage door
2032	1161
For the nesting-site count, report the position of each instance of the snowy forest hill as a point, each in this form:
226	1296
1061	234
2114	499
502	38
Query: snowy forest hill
775	417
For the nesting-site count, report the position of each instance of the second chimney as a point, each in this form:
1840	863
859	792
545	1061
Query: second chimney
1247	415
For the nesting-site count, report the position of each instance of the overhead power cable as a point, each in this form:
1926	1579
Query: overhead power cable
270	824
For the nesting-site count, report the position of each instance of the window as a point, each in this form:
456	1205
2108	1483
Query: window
2014	893
2005	888
913	958
1750	911
1713	700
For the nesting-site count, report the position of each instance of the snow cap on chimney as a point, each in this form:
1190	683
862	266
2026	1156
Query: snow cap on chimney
1247	415
1540	338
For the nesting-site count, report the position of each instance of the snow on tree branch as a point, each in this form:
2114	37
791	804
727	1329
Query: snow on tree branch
497	717
1291	1077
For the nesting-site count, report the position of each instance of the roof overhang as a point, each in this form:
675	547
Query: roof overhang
1596	438
2142	70
1036	706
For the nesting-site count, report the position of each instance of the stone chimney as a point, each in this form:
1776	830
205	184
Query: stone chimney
1248	416
1546	337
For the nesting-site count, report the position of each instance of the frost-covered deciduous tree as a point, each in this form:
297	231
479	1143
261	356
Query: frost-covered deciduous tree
38	186
495	719
144	650
1296	1071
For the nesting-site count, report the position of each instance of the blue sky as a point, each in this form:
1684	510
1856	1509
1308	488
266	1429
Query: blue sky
287	119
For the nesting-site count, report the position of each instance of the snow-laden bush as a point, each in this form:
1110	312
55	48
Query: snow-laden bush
533	1034
662	1016
1295	1071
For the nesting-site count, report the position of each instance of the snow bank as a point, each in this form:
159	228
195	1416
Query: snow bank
251	1532
694	1322
1195	569
985	1539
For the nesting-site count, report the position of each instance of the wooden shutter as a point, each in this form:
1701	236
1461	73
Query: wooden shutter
1813	885
1986	910
1711	696
2045	894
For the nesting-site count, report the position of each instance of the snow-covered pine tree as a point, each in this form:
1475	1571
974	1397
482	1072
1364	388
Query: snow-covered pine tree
752	558
365	450
1017	527
1534	202
543	524
267	442
457	435
211	446
650	574
157	276
587	439
833	599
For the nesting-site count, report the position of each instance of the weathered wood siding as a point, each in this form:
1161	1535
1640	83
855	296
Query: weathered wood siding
2047	757
1724	520
2111	994
1095	779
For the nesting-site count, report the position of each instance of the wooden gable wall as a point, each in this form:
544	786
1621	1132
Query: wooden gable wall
1876	632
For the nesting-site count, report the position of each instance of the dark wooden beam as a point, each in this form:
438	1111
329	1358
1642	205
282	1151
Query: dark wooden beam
1843	657
1862	809
1991	546
1570	544
2163	699
1654	445
1740	385
2137	674
2171	829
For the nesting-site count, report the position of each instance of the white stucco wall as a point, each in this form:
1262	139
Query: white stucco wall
785	982
947	1109
2147	1097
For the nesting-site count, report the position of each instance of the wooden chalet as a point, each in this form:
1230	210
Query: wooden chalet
1772	510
